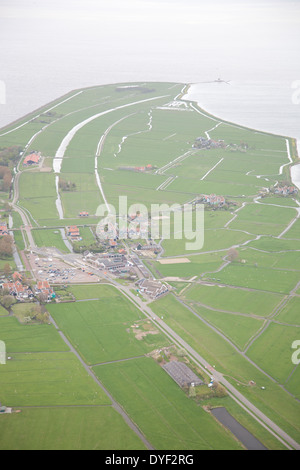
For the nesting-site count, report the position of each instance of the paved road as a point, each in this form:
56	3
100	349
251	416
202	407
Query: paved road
281	435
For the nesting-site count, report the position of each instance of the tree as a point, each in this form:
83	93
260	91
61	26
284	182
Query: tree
232	254
8	300
6	269
6	246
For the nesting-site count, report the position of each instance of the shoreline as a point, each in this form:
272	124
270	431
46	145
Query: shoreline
294	169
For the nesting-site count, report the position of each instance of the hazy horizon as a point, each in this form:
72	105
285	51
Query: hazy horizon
49	48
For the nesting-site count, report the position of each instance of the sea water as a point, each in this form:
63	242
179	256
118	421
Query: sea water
269	106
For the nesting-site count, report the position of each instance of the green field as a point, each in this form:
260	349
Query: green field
103	330
240	315
49	237
67	428
234	300
169	420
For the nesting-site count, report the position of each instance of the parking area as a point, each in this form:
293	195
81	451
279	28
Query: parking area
55	271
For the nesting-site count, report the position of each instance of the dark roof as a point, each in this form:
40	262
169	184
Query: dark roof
182	374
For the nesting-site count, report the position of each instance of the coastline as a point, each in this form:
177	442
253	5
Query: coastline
190	95
183	95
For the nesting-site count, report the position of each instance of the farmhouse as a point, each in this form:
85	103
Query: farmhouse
149	247
83	214
152	288
73	232
3	229
111	264
32	159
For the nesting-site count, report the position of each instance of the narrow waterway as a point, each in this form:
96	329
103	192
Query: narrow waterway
65	240
58	200
241	433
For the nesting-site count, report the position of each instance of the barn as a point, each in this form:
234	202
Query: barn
182	374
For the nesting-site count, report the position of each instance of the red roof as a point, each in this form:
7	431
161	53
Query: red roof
43	285
17	275
32	158
74	230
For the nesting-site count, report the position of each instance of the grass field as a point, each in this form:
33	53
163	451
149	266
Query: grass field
29	338
273	351
168	418
39	379
103	330
234	300
259	278
108	331
49	237
237	369
67	428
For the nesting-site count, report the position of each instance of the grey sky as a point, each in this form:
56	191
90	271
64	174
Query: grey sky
51	46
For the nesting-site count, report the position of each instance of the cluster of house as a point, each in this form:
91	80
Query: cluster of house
205	143
32	159
73	233
21	291
135	227
83	214
152	288
212	200
3	229
17	289
285	190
